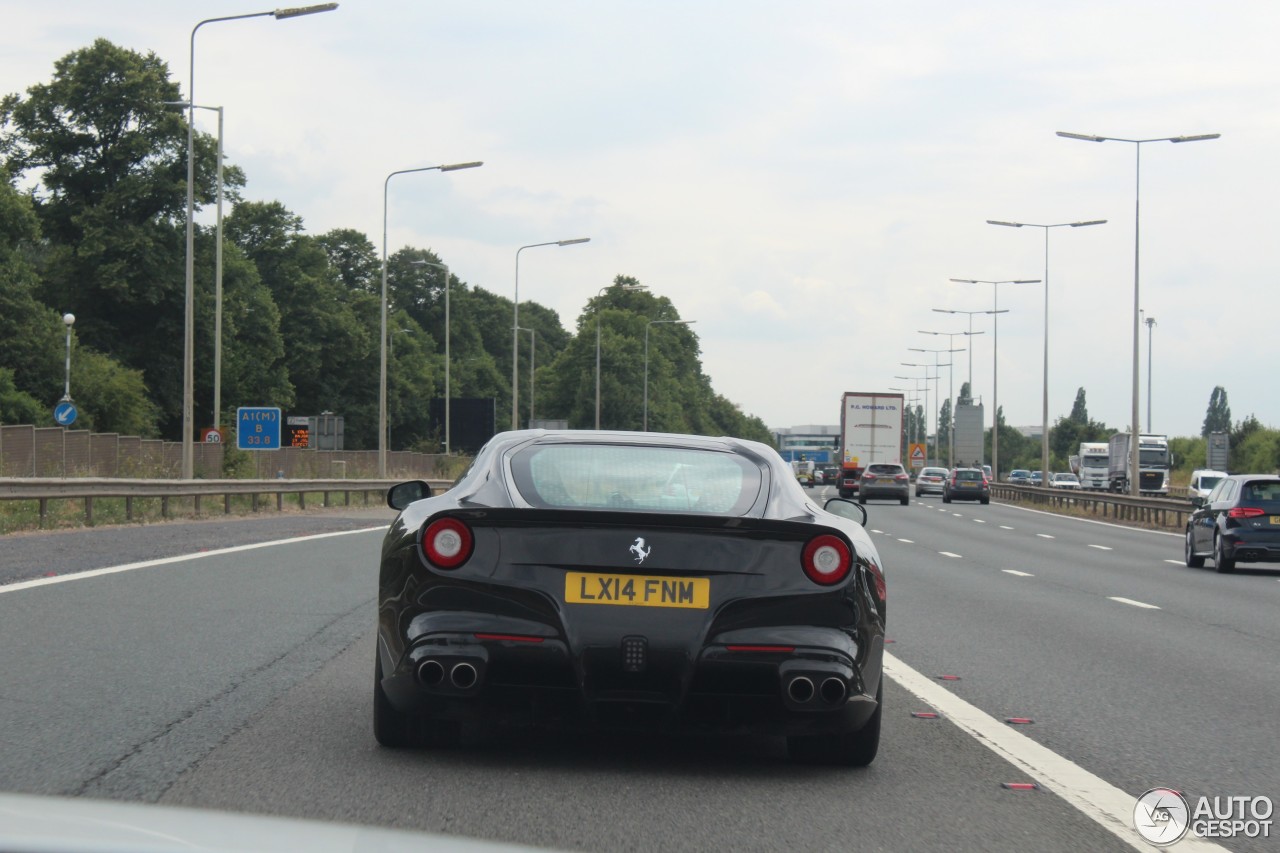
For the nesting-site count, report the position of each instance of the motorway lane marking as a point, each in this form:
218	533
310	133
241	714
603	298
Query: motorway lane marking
1018	573
1045	536
949	554
957	515
980	520
1133	603
1104	803
908	541
1175	562
1101	547
1092	521
147	564
1005	527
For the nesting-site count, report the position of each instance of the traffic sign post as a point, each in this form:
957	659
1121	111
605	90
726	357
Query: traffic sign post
916	452
211	435
258	428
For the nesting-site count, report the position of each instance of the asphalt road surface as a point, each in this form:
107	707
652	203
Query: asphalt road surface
242	680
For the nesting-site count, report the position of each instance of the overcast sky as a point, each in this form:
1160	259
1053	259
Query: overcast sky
801	178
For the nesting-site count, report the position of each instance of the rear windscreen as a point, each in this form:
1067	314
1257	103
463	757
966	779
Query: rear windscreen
1261	491
628	477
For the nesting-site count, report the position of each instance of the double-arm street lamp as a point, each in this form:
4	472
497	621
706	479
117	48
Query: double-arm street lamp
1137	183
382	372
913	429
927	379
951	385
515	328
1044	438
650	324
448	395
598	297
189	321
995	355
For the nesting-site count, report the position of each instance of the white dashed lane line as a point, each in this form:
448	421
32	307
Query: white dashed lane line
1018	573
1101	547
1005	527
980	520
906	541
1044	536
1132	603
949	554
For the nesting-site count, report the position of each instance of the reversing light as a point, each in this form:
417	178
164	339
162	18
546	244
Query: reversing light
1245	512
826	559
447	543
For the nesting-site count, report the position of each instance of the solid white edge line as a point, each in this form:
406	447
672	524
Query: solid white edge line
1133	603
128	567
1097	799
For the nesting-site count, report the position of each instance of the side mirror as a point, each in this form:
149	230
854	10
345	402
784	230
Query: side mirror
1197	501
847	509
401	495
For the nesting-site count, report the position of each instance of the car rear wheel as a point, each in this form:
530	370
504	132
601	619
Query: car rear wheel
986	501
850	749
946	498
1193	561
862	499
905	501
1221	561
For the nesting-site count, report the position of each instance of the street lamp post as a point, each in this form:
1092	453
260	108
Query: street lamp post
1044	438
951	385
950	398
645	427
598	297
382	339
1137	183
1151	322
515	327
912	429
533	343
927	380
189	314
447	391
995	356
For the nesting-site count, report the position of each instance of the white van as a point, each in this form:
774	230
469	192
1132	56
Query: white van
1202	482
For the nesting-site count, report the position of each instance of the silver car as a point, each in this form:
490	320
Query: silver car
884	480
931	481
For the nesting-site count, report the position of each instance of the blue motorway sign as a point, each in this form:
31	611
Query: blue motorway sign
65	413
258	428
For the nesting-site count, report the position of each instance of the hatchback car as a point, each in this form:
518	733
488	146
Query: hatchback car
1019	477
1064	480
636	581
1034	479
966	484
1239	522
885	480
931	481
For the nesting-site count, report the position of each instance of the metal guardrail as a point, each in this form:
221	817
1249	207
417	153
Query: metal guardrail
1162	512
90	488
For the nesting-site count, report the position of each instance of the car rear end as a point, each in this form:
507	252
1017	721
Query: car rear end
884	480
1250	530
931	481
968	484
625	606
847	484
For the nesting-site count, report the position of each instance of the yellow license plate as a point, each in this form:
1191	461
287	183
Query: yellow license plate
1275	519
637	590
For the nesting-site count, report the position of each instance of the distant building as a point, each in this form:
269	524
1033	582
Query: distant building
816	443
1034	431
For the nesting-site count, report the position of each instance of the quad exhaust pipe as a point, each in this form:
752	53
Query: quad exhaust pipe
800	689
463	676
430	672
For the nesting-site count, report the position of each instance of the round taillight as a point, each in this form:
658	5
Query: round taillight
826	560
447	542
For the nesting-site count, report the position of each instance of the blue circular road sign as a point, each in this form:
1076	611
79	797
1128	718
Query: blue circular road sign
65	413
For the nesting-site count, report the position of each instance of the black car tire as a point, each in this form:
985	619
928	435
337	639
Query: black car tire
1193	560
986	501
849	749
862	499
917	493
946	498
1221	561
394	729
905	501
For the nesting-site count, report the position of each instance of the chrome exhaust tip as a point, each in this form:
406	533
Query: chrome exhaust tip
800	689
430	673
463	676
833	690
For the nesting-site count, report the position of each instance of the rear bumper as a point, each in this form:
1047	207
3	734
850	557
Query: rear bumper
777	681
1251	547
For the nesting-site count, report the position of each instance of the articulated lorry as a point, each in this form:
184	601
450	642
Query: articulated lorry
1154	462
871	430
1091	465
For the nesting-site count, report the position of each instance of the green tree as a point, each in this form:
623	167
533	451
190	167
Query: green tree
1217	418
17	406
110	158
944	429
111	398
1079	411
